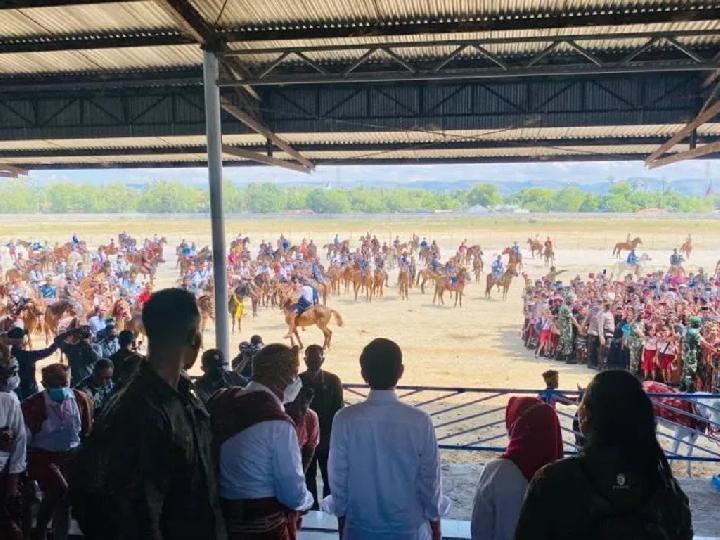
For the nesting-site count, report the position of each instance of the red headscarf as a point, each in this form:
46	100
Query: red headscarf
534	431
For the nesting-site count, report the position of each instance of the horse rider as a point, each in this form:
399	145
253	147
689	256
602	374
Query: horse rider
36	276
336	240
515	248
317	273
451	272
676	259
424	243
632	258
75	240
307	298
498	268
548	243
435	263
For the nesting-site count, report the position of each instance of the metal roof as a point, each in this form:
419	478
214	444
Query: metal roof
355	81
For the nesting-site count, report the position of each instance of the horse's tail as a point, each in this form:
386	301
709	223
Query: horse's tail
338	317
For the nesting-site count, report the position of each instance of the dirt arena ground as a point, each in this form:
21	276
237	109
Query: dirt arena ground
475	345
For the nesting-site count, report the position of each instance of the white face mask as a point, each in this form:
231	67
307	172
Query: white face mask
12	383
292	390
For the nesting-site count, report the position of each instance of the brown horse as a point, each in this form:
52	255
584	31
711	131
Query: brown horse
379	284
32	316
206	305
514	259
549	255
687	247
319	316
423	276
53	314
443	283
535	246
404	284
626	246
503	282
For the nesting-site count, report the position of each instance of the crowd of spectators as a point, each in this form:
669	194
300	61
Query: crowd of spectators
151	454
661	326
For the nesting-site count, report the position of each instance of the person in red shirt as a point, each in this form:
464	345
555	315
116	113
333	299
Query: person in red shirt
145	295
307	424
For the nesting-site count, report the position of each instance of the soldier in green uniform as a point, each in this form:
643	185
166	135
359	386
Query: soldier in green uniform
691	355
635	344
565	322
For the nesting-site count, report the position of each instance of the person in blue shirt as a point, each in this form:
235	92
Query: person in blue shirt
516	248
675	259
336	241
632	258
435	264
423	243
498	268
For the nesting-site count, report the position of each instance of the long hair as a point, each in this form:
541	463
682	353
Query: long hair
622	418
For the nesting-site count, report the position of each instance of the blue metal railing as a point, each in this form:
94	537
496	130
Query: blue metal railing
472	419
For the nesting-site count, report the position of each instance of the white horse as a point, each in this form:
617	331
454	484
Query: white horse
706	407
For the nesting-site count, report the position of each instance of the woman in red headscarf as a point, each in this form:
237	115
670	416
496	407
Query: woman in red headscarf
535	441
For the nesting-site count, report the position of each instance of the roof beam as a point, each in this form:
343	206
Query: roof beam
12	171
114	40
700	151
25	4
668	12
262	158
707	114
256	125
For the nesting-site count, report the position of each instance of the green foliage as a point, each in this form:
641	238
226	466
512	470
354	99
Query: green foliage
176	197
484	195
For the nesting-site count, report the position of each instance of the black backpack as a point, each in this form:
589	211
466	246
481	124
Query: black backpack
641	522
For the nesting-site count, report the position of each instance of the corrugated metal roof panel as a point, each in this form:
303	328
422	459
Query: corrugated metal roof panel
276	12
84	19
338	139
101	60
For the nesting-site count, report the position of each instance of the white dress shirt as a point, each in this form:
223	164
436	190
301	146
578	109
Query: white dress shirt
498	500
11	417
384	470
264	461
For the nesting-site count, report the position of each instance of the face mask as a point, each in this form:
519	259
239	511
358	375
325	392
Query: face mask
292	390
58	395
12	383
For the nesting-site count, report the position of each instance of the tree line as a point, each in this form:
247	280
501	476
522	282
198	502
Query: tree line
20	197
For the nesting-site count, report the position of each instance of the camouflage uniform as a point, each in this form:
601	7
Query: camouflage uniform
635	344
565	329
691	356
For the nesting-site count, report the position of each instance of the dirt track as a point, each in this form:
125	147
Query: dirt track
475	345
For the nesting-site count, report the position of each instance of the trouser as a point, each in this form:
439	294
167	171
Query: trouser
593	345
319	459
604	353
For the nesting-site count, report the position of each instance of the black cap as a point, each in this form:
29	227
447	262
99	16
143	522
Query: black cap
17	333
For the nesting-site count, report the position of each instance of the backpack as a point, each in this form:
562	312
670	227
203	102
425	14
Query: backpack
642	522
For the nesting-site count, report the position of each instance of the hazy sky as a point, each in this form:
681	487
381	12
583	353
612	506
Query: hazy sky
571	171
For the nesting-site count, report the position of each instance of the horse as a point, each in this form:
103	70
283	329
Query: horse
379	283
687	247
549	255
236	307
687	418
626	246
535	246
477	266
514	258
32	317
504	282
423	276
442	284
404	283
206	305
319	316
53	314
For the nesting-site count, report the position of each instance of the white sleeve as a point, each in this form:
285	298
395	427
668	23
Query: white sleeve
430	483
17	424
288	475
338	465
482	526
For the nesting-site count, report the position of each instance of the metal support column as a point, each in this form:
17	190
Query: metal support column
214	150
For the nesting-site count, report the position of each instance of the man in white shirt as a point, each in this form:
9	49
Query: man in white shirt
12	441
384	467
262	483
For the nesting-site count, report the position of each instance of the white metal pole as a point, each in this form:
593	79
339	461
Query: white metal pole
214	158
